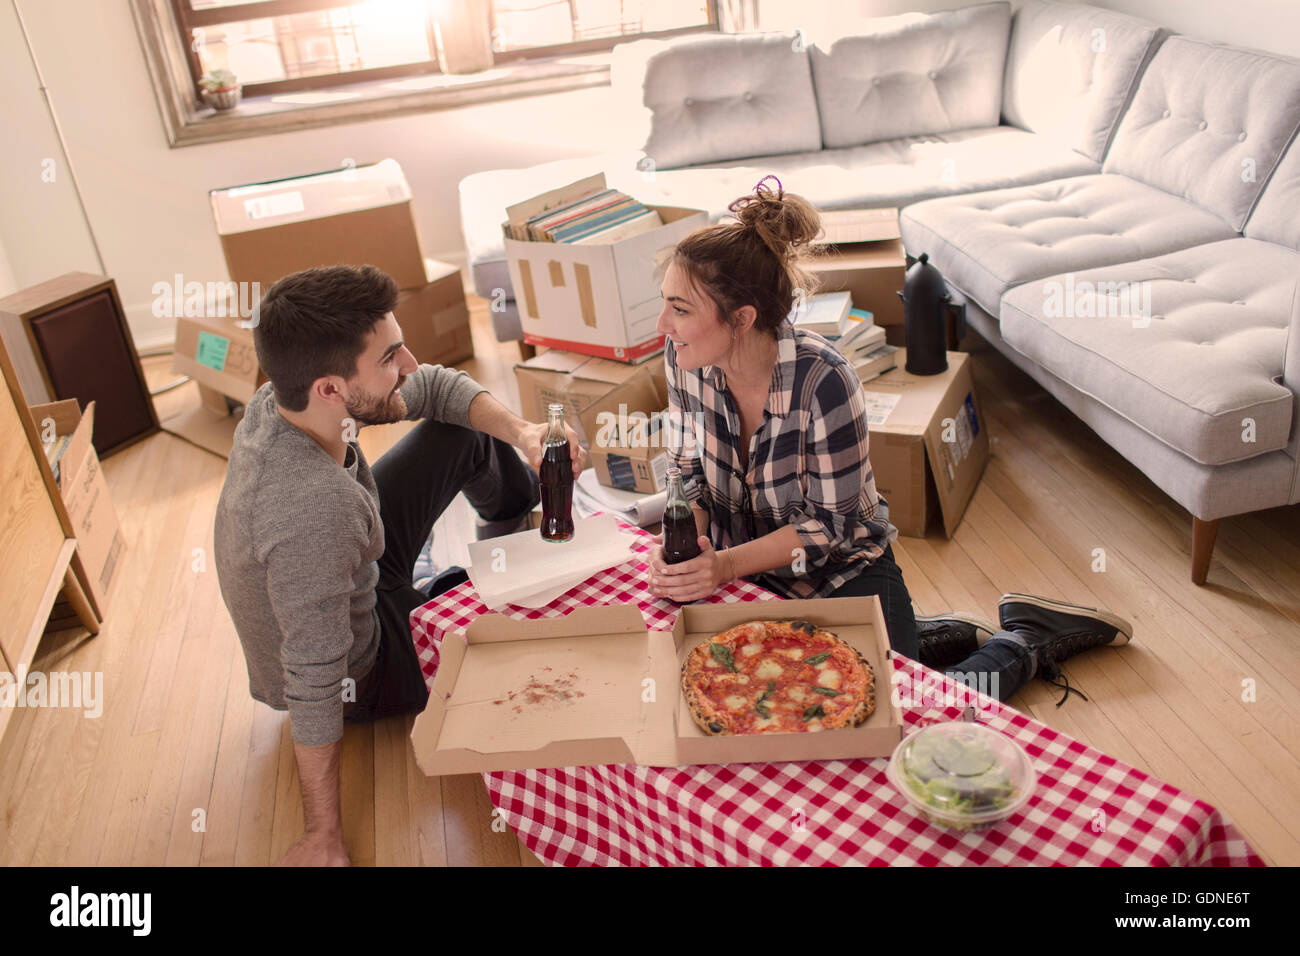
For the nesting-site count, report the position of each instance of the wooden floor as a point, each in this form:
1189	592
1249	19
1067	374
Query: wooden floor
183	767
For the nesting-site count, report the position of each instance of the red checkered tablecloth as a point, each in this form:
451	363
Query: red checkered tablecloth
1087	809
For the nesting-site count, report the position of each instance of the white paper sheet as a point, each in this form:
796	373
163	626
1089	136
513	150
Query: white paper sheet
545	596
518	568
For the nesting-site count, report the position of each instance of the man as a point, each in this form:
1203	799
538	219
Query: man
314	549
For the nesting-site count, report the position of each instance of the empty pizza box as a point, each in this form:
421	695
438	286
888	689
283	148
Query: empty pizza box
597	687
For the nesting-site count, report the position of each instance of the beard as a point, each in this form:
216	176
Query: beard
367	409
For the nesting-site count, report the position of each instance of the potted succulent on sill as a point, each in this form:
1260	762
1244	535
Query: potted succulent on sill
221	89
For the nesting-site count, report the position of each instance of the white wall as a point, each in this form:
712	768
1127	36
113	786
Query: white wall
1272	25
147	203
42	230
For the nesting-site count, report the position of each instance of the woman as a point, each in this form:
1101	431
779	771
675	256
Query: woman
775	457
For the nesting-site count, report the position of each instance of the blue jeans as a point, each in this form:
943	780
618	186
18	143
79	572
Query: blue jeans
1005	661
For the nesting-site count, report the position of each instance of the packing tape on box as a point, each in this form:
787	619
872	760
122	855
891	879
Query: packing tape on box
526	278
582	272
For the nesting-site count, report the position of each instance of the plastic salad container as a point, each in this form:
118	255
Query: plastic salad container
962	775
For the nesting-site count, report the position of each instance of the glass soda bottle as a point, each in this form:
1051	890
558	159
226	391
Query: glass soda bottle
680	535
556	477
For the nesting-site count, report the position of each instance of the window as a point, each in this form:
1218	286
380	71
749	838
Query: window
276	46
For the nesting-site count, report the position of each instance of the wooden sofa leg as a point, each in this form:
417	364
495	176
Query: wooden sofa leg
1203	535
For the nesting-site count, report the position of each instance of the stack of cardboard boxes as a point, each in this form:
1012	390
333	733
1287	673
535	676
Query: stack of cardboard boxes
596	307
356	215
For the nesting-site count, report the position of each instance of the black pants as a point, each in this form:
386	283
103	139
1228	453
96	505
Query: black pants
999	668
417	479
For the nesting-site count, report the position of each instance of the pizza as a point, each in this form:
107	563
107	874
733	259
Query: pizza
776	677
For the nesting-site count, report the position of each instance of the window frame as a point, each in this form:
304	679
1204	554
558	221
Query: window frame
187	20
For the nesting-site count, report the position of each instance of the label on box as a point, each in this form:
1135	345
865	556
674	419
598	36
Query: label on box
620	472
970	413
281	204
211	351
880	405
625	472
659	465
964	438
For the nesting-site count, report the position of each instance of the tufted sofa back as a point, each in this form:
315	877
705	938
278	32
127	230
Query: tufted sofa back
1277	215
1277	219
1209	123
912	75
718	97
1071	68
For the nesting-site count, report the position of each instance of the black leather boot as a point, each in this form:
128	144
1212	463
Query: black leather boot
1056	631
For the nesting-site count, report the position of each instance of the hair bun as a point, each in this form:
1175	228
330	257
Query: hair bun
783	221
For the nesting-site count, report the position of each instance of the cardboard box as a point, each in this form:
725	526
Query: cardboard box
597	299
870	271
583	384
100	545
218	353
929	442
629	447
608	654
357	215
435	318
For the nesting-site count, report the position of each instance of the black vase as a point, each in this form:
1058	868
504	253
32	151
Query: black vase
926	304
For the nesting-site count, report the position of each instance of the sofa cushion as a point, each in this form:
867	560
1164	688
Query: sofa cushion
912	74
883	174
716	97
1277	214
893	173
986	243
1071	69
1189	346
1209	123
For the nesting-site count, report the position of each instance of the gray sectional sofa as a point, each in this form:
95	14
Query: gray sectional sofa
1119	207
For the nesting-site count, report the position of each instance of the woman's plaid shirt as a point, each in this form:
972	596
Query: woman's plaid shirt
808	464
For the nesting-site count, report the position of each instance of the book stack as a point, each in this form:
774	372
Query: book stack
603	216
868	365
852	331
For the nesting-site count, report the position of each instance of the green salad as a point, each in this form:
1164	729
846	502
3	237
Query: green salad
958	776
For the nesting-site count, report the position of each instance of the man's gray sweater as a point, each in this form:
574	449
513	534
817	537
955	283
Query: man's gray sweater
296	544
